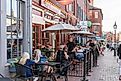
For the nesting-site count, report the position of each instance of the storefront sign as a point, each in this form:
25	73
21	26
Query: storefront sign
50	6
83	25
37	19
96	24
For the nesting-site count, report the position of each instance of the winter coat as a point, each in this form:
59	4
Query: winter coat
119	51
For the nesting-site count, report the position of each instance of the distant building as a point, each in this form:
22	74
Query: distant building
109	37
96	17
119	36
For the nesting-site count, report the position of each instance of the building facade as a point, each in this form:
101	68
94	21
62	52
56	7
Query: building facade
25	20
96	18
16	35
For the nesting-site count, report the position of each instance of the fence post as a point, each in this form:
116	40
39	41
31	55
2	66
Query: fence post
84	71
90	60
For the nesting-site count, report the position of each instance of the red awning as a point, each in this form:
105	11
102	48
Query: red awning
65	2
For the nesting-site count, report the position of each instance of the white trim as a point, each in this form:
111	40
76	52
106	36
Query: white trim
51	21
96	24
34	7
37	19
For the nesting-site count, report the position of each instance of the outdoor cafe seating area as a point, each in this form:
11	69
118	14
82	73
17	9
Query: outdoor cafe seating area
49	64
47	67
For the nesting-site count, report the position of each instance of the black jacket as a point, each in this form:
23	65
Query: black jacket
119	51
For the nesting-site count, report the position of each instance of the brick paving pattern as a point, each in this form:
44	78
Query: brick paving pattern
108	69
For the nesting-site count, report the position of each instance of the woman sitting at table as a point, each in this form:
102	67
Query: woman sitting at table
25	60
79	53
37	55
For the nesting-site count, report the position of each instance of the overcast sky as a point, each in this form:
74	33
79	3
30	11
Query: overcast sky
111	12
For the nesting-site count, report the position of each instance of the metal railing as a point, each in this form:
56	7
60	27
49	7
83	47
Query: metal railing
83	67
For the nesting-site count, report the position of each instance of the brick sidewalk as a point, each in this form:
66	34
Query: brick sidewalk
107	70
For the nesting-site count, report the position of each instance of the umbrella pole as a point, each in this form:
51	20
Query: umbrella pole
53	41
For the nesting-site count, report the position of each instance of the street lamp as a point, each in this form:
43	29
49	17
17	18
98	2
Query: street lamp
115	27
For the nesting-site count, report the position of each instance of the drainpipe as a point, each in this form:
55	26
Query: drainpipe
3	38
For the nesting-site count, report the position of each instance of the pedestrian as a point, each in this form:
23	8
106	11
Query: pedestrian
102	49
107	45
94	52
119	54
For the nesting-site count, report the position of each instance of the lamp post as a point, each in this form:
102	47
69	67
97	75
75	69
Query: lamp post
115	27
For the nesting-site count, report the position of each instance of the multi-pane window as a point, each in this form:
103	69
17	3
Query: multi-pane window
15	24
96	14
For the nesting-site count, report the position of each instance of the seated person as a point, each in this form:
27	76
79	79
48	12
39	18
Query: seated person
62	54
37	55
52	57
79	53
62	57
25	60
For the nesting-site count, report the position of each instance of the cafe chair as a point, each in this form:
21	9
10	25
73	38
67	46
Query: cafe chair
21	72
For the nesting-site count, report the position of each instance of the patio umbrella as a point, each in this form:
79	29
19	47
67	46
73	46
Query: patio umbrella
58	27
82	32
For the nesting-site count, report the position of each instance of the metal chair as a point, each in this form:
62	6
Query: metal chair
21	72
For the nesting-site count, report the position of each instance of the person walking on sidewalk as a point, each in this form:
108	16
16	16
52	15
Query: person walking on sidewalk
119	54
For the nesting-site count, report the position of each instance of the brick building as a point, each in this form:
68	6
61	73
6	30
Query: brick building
46	13
96	16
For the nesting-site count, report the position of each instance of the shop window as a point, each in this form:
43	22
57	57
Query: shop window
14	23
96	14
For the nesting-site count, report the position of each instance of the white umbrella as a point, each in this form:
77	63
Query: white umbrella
58	27
82	32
